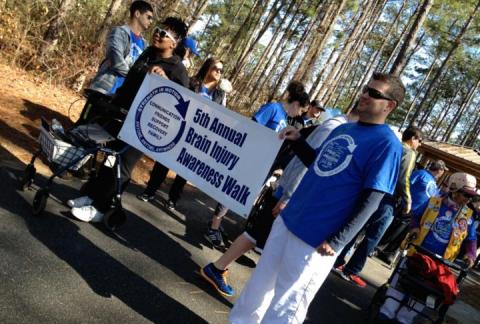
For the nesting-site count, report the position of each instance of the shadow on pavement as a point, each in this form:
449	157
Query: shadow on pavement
104	274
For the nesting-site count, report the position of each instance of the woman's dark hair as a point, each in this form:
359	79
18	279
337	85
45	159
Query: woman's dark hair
141	6
178	27
202	72
296	92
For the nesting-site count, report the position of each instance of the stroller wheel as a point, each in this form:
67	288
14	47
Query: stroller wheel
114	218
376	303
27	178
40	201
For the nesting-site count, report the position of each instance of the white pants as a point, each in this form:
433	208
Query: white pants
285	281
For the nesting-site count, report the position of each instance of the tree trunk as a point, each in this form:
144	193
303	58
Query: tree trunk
463	107
438	124
419	42
254	40
267	53
431	105
361	29
314	90
107	21
306	67
50	38
242	30
399	41
455	45
276	62
410	38
474	132
197	13
371	65
412	104
298	49
221	41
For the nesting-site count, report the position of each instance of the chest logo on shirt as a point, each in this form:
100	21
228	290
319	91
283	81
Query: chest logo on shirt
442	227
281	125
431	189
160	119
334	156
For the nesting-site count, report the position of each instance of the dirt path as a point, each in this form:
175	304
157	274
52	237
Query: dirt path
24	99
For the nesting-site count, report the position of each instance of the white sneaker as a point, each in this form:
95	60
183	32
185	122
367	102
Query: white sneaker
80	202
87	214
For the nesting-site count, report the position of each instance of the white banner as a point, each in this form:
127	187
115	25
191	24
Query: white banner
225	154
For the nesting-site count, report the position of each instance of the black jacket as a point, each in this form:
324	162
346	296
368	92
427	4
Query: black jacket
173	67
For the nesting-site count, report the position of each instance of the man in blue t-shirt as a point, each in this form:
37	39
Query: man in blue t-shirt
423	185
348	176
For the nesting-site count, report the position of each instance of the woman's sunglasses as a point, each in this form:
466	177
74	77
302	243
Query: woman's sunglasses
466	194
164	33
219	70
375	94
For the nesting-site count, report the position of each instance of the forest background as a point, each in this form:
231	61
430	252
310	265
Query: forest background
332	46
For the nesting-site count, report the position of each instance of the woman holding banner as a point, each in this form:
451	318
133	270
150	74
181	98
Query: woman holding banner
208	83
159	59
276	116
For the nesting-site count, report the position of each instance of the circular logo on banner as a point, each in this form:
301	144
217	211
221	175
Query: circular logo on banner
157	125
334	156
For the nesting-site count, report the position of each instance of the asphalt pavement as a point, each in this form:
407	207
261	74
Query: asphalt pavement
57	269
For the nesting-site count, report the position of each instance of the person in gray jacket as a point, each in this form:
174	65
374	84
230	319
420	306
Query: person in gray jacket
124	45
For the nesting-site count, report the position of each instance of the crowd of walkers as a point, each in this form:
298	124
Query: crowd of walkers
347	186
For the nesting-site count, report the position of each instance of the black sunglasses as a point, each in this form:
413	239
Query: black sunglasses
375	94
466	194
219	70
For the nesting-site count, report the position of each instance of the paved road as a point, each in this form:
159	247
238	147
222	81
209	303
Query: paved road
57	269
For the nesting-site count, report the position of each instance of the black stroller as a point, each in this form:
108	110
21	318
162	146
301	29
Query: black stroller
70	150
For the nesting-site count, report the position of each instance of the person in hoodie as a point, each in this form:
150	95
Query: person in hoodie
124	45
159	59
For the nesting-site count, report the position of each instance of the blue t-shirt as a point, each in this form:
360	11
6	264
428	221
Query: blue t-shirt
423	185
137	45
203	91
437	239
272	115
354	157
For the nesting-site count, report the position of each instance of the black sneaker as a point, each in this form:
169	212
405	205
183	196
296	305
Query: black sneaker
170	204
214	237
145	197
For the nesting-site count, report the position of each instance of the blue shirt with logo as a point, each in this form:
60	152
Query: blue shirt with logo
137	45
438	237
272	115
423	185
353	158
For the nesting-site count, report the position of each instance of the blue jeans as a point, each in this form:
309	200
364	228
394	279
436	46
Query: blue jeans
376	227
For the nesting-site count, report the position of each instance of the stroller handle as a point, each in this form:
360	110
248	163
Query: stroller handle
438	258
